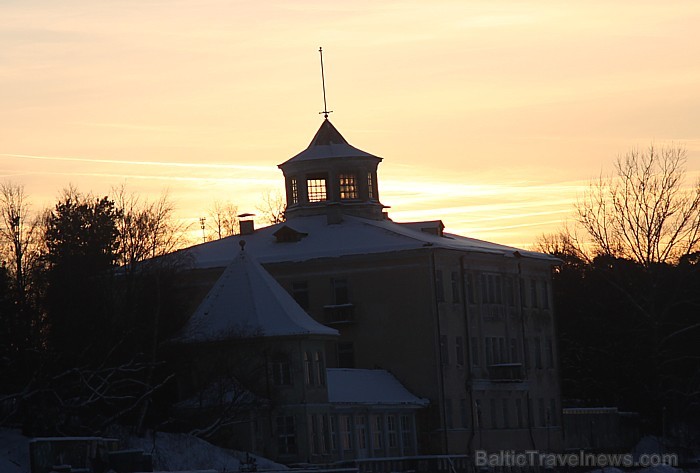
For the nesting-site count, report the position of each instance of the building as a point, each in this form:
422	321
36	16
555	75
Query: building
466	324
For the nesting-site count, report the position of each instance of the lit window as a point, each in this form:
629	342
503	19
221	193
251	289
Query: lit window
295	191
348	187
370	186
316	189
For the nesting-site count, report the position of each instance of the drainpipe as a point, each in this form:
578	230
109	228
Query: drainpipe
467	346
443	410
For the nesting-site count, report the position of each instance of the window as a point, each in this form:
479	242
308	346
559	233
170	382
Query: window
370	186
320	369
281	371
553	417
391	431
526	353
334	433
308	368
294	191
439	286
463	413
300	293
346	432
543	412
506	415
314	435
361	432
406	433
545	294
475	351
489	351
377	432
286	435
316	189
519	413
494	414
502	353
340	291
325	436
492	289
514	350
477	407
459	349
455	287
471	289
449	414
533	293
346	355
523	298
550	353
348	186
444	352
510	292
538	353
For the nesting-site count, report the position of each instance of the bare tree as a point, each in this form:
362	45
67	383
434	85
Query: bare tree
147	229
643	212
18	235
272	207
224	219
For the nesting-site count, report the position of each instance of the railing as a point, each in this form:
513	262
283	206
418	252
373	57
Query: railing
339	313
506	373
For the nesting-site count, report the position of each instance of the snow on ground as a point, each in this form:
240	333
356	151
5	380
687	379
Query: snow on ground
172	452
181	452
14	452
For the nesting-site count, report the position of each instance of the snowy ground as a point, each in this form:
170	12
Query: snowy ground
171	452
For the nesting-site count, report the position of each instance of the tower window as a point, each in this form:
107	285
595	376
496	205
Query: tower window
294	191
316	188
370	185
348	186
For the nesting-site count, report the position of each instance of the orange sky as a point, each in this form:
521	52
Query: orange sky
489	115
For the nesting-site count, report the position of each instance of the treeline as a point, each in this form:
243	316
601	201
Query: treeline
628	295
87	296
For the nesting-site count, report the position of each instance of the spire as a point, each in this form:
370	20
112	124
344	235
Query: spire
325	111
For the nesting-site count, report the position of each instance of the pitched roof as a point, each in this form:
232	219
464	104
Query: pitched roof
247	302
328	143
357	386
353	236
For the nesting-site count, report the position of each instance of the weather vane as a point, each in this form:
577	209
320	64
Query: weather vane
325	111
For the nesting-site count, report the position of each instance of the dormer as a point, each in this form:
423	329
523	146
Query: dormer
331	171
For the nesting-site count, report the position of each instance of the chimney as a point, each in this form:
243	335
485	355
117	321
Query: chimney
246	227
334	214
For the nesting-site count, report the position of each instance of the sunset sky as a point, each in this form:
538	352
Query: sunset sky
491	116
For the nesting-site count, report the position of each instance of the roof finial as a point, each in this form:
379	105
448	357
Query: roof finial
325	111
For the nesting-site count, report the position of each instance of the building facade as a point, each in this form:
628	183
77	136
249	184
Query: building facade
466	324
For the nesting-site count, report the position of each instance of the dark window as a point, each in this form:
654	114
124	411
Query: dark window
455	287
300	293
346	355
533	293
526	353
316	189
514	350
439	286
308	368
286	435
550	352
294	191
479	418
444	352
281	371
370	186
459	349
538	353
448	414
510	292
545	294
471	289
489	350
391	428
348	186
523	293
475	351
340	291
320	369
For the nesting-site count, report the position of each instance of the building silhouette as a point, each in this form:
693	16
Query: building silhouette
418	341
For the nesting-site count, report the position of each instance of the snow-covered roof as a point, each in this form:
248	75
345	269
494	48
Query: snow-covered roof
356	386
328	143
247	302
353	236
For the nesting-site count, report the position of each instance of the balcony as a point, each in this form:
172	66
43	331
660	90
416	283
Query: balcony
339	313
506	373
